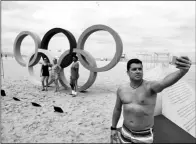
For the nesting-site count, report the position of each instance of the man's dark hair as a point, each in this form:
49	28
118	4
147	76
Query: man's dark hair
137	61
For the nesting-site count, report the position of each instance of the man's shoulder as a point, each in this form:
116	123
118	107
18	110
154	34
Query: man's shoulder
146	81
150	84
147	84
153	82
123	87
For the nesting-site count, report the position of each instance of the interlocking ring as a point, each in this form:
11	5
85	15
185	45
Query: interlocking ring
119	47
72	41
66	59
17	44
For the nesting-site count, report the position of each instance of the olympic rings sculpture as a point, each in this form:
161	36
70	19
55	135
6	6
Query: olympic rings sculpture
85	58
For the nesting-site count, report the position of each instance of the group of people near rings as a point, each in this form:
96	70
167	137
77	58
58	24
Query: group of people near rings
55	74
136	98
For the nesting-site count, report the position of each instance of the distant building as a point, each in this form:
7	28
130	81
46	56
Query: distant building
123	57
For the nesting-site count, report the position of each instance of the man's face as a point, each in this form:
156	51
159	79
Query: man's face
135	71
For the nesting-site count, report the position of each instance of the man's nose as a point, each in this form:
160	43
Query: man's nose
138	71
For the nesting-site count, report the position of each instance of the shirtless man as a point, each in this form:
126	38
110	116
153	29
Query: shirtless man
74	75
138	99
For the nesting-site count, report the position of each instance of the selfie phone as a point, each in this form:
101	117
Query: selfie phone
173	61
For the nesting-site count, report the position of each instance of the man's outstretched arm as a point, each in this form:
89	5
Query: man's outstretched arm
183	64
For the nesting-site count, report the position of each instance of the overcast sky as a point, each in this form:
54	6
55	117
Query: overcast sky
151	26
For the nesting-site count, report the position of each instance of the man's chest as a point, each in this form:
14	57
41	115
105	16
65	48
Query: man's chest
140	96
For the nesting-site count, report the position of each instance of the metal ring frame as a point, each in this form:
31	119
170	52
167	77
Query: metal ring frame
85	58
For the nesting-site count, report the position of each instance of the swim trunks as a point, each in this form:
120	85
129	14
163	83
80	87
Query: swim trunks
129	136
73	80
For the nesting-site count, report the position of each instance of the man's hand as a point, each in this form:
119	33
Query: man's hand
114	136
183	63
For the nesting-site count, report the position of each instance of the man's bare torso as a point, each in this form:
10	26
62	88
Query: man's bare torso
74	72
138	106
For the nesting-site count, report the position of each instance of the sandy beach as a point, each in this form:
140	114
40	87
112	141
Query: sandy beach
86	118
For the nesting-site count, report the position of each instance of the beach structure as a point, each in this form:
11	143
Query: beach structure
85	58
162	57
147	58
123	57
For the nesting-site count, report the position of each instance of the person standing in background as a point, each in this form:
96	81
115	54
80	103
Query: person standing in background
74	75
55	70
45	73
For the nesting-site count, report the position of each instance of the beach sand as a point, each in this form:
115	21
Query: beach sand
86	119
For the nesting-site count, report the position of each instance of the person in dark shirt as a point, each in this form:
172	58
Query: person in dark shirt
45	73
